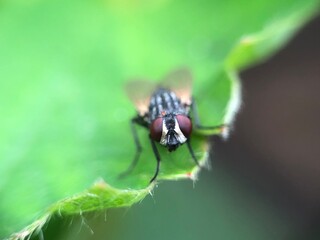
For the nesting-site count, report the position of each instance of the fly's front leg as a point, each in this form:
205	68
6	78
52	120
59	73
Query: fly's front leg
157	155
134	121
192	153
198	125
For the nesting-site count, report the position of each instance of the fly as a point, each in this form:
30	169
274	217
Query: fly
166	114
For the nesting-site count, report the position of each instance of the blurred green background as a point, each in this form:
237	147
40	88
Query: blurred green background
62	69
264	182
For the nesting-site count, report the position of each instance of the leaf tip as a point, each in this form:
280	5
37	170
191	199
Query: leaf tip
100	184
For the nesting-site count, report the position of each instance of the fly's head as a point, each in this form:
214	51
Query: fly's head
171	130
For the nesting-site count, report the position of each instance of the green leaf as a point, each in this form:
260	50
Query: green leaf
64	115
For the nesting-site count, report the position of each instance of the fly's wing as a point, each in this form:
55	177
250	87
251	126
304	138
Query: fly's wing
180	82
139	92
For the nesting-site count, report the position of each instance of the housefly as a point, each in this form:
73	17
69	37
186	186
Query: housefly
164	110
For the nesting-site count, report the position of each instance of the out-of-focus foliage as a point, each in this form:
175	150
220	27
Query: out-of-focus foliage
64	116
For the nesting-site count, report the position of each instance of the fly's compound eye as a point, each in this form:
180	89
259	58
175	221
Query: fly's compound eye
185	125
156	129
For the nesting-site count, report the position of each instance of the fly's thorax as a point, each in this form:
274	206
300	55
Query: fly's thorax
171	130
163	101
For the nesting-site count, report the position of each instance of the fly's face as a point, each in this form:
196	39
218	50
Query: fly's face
171	130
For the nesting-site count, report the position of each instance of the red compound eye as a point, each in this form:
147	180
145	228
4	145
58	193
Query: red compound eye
156	129
185	125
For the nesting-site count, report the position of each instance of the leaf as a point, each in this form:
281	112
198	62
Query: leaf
65	117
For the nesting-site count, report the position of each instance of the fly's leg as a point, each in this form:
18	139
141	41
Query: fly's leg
133	123
198	125
192	153
157	155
